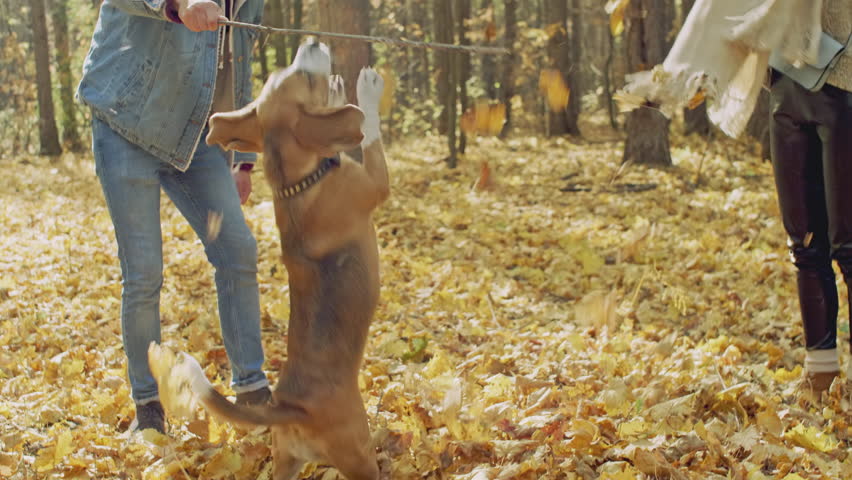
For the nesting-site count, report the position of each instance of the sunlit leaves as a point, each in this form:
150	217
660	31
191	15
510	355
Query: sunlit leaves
523	332
812	438
388	93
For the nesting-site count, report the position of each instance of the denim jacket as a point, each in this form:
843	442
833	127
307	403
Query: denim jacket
152	80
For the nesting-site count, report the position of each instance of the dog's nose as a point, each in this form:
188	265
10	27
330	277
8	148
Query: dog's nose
313	57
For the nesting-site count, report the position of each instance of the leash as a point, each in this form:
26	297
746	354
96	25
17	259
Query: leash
371	39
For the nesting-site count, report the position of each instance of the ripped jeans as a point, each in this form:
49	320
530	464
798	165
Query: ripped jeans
132	179
811	145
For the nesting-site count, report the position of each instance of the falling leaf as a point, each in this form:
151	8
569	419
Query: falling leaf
214	225
490	31
696	100
597	309
627	102
554	29
496	118
484	118
556	91
616	10
484	182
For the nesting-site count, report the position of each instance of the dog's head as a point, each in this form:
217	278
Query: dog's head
291	120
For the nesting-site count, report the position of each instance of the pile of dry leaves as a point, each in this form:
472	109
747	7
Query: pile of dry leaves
572	320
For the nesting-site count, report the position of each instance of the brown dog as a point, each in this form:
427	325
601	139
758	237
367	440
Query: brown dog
323	211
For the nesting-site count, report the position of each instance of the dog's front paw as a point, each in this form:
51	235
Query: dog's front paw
336	91
370	86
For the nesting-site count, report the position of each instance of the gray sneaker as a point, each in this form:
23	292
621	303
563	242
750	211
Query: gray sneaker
261	396
150	415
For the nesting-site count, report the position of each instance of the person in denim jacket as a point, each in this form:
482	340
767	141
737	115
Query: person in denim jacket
155	72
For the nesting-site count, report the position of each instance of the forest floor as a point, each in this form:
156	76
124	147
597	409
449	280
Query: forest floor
574	320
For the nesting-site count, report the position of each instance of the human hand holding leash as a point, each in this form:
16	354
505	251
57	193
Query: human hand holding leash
200	15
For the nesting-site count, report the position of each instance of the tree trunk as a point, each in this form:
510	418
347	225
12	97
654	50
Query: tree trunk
647	129
594	46
464	66
442	28
576	68
48	134
695	120
507	81
558	56
489	62
70	133
348	56
573	68
277	18
294	16
418	68
447	75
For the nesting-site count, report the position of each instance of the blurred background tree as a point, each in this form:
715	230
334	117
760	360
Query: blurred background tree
567	58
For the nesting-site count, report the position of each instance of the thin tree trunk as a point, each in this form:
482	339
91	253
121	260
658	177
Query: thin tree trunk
695	120
297	14
489	62
556	22
607	78
263	46
348	56
70	133
507	82
647	129
347	16
443	59
464	66
447	75
277	18
48	135
575	69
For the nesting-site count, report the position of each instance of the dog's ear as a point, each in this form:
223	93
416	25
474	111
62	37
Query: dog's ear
238	130
330	130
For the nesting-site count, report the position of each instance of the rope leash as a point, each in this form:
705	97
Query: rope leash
367	38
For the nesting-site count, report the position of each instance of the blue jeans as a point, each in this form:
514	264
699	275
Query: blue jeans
131	179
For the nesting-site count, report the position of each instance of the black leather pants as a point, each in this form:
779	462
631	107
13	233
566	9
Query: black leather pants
811	145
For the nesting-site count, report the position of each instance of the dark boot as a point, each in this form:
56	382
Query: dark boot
150	415
261	396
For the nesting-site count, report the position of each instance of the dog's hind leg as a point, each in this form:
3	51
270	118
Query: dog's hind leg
351	450
286	465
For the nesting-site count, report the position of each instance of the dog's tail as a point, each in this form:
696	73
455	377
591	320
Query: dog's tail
216	403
